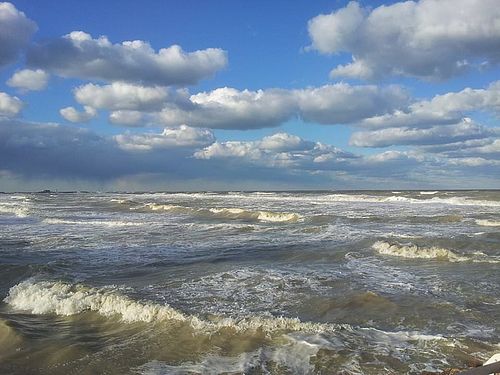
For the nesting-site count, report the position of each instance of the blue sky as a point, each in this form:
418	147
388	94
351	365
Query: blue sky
303	123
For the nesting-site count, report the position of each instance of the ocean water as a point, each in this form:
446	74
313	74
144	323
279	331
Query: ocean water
248	282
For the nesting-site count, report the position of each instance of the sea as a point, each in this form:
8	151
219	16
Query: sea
297	282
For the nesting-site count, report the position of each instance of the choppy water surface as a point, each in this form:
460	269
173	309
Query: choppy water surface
256	283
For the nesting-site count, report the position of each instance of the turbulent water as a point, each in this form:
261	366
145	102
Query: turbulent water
254	283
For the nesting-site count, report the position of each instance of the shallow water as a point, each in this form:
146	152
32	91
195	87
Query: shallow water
248	282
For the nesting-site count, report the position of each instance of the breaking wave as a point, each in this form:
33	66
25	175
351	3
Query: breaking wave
46	297
414	251
229	213
106	223
410	250
488	223
399	199
16	209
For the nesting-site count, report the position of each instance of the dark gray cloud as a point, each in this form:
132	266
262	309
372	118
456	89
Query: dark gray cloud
429	39
185	156
39	150
15	33
69	157
79	55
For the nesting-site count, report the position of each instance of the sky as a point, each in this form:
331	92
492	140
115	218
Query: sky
240	95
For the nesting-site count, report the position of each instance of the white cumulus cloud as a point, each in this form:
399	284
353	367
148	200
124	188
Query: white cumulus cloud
79	55
182	136
127	118
229	108
429	39
15	32
447	108
29	80
121	96
10	106
342	103
441	134
73	115
281	150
